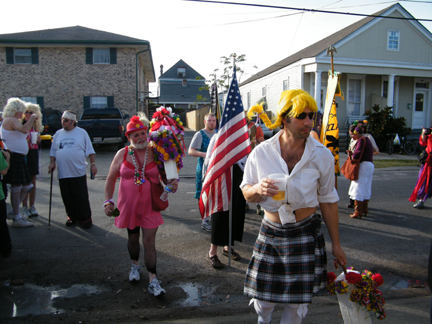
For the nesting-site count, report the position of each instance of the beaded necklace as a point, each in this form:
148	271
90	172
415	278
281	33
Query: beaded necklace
139	178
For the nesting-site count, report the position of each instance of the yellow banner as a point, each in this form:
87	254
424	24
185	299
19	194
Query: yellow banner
330	128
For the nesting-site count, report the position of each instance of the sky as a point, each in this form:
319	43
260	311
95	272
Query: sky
200	33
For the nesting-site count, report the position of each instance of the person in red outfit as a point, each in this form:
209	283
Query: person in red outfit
136	167
423	188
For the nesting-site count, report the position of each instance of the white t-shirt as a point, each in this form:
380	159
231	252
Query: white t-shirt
312	181
71	148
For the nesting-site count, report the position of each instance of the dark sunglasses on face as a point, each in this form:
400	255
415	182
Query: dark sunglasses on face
65	120
28	113
303	115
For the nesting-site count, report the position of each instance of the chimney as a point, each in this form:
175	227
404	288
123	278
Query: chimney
161	67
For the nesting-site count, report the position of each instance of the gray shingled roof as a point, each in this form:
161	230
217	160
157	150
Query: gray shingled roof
316	48
70	35
172	72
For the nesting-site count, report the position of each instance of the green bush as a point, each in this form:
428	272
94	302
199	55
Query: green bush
382	123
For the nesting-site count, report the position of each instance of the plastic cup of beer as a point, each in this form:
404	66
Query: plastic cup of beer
34	136
280	182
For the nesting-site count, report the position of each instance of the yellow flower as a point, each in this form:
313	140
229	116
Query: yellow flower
180	123
166	156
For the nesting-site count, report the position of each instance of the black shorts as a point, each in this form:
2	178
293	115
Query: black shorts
33	162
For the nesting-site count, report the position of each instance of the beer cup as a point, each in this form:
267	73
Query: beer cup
280	182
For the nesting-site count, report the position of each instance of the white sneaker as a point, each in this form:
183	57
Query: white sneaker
25	211
33	211
22	223
134	273
154	288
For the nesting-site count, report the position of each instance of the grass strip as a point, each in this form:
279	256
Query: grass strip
379	164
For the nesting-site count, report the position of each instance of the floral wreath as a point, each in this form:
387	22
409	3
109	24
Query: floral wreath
167	135
365	291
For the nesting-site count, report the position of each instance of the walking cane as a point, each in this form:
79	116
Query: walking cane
49	215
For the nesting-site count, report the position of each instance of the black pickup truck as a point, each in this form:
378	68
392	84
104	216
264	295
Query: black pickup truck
104	125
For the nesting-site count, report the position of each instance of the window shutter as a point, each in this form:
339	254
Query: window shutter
35	55
110	101
40	101
89	56
9	55
113	55
86	102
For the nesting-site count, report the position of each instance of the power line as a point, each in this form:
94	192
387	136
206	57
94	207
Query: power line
308	10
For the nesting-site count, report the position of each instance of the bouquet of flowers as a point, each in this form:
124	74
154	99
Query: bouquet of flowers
362	289
167	135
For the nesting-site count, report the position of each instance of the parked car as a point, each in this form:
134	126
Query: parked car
51	121
104	125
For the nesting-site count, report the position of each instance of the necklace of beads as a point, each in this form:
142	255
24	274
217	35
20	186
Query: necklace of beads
139	178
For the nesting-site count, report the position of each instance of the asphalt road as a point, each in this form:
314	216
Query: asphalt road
394	240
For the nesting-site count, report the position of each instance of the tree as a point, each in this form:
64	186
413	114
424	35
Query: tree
222	77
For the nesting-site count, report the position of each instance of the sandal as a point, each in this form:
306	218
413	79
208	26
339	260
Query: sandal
70	222
234	255
215	262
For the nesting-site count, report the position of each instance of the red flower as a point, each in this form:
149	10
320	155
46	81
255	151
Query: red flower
353	277
331	277
378	279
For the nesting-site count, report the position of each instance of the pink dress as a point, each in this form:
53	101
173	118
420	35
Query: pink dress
134	202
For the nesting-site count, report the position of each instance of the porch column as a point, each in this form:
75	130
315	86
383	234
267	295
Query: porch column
318	87
390	91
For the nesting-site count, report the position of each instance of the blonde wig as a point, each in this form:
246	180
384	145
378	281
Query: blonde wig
13	106
36	110
292	103
259	109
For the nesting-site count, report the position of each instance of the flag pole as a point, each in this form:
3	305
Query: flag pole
231	200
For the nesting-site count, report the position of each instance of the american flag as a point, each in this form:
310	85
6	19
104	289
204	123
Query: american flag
231	145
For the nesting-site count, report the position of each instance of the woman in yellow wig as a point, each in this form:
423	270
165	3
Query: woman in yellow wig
290	240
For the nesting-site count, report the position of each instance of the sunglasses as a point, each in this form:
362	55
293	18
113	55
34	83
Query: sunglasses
65	120
303	115
28	113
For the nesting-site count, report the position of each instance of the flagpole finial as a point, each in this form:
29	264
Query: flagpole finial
234	57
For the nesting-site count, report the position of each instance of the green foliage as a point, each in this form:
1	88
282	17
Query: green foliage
382	123
222	77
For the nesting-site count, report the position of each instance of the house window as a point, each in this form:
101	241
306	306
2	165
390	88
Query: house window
184	83
32	100
22	56
98	102
181	72
393	40
285	85
384	89
355	95
263	91
101	56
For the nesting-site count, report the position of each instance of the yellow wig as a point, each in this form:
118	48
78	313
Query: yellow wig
259	109
294	102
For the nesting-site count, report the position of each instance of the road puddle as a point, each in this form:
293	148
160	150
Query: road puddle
198	294
32	299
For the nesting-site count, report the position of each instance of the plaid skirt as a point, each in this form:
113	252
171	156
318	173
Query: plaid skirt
18	173
289	262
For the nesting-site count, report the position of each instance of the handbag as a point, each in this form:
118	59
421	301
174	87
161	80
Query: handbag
156	192
423	157
350	169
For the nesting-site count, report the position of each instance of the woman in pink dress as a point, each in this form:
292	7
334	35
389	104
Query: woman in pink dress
136	168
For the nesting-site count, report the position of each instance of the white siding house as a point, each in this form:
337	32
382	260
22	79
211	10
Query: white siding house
383	61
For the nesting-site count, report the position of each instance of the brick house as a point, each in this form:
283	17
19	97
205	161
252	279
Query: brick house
75	68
